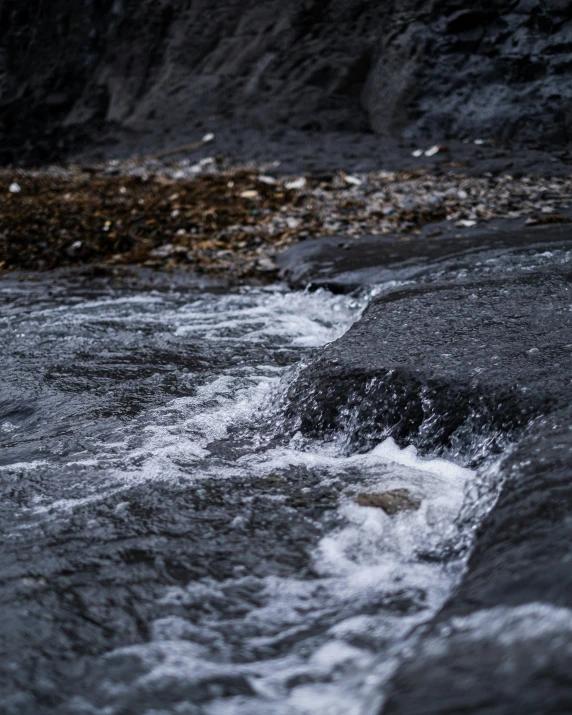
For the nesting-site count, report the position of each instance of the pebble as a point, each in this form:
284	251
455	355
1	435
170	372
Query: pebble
432	151
269	180
286	210
392	501
295	184
267	264
353	180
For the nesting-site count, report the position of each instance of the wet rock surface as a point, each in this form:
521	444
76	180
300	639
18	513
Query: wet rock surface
465	355
472	357
391	502
343	264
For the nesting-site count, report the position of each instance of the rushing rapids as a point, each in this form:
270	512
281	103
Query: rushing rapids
172	543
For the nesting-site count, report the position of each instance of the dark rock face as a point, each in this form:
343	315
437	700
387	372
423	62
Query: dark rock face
168	70
343	264
501	69
428	364
473	357
175	69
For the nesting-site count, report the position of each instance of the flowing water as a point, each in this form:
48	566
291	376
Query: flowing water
181	547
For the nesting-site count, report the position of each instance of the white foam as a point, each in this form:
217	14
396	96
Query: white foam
510	625
34	464
371	588
316	454
389	450
181	430
370	561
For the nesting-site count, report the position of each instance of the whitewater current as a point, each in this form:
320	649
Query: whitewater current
154	421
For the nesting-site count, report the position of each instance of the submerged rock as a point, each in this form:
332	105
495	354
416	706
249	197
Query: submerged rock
392	501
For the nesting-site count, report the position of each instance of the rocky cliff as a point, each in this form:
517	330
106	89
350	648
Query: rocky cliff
163	71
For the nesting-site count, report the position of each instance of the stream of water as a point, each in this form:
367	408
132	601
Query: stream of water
199	555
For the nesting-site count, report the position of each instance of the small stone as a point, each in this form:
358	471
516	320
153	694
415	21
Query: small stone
163	251
296	183
74	248
267	264
392	501
352	180
14	188
438	148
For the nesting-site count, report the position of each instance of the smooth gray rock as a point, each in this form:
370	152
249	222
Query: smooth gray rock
457	366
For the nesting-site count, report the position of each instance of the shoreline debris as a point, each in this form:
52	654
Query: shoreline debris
226	221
